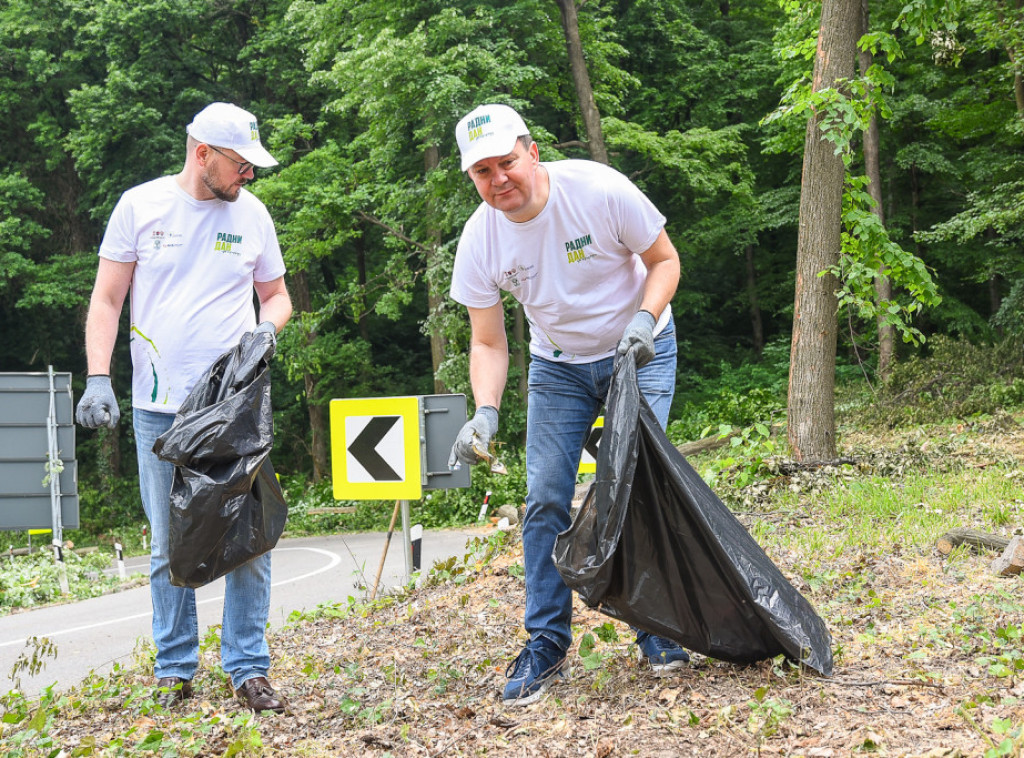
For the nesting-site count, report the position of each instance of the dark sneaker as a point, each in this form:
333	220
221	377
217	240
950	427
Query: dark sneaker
537	667
171	690
664	655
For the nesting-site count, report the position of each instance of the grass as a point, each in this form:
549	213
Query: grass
882	514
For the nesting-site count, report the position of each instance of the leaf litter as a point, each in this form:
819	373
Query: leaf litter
928	664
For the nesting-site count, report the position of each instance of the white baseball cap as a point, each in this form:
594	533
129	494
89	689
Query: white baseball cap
488	131
227	125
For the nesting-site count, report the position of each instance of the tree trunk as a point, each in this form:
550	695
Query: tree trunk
883	285
754	304
1012	53
435	297
812	426
995	293
363	321
581	79
316	411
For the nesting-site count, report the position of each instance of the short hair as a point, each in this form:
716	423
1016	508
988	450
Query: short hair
525	140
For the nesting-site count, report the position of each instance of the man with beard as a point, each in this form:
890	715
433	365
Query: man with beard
191	247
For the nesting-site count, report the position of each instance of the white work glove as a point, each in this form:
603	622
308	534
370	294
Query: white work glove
268	327
475	433
98	406
639	335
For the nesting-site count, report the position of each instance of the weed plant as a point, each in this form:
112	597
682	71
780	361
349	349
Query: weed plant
28	580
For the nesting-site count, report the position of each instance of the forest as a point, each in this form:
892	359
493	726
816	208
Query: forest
905	228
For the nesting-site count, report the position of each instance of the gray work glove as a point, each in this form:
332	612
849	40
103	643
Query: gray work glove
475	433
270	328
639	335
98	406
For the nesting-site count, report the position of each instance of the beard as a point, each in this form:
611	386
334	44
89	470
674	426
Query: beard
228	195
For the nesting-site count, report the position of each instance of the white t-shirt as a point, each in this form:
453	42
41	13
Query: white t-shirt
192	289
575	267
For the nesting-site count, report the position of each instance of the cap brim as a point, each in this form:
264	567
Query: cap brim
489	147
257	155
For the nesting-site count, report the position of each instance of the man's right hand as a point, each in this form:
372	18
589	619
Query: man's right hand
475	433
98	406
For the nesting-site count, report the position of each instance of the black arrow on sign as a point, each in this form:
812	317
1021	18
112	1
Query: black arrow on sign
364	448
593	441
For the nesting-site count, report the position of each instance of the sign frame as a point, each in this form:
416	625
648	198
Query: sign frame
351	484
588	462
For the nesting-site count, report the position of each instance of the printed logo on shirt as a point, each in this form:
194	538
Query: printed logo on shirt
514	277
157	239
476	127
226	241
575	250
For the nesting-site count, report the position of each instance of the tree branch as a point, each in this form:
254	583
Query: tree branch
395	232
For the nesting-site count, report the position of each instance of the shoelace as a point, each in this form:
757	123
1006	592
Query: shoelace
513	668
524	655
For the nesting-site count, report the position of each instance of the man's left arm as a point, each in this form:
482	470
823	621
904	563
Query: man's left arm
662	262
275	303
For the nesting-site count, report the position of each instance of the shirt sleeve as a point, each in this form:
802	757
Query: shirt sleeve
639	221
270	265
119	240
471	286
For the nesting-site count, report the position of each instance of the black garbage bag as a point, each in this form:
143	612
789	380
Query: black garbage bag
653	546
226	503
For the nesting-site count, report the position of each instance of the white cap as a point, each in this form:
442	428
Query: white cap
226	125
488	131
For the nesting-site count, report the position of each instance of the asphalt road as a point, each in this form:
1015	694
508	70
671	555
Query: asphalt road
95	634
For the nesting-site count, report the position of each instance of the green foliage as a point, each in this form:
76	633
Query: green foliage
34	579
358	101
954	380
735	396
745	461
868	253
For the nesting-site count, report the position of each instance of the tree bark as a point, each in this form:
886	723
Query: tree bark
363	321
581	79
883	284
812	427
316	411
754	304
435	298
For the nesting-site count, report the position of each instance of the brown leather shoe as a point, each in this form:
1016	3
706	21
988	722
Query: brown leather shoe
168	692
258	695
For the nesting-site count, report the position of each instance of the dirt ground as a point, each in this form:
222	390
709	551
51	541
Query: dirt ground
421	676
928	662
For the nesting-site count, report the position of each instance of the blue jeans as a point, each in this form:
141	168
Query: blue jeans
564	401
244	653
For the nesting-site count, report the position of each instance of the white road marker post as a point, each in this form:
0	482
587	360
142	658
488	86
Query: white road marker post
120	560
483	506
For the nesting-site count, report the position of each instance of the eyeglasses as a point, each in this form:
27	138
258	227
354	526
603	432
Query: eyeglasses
243	166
